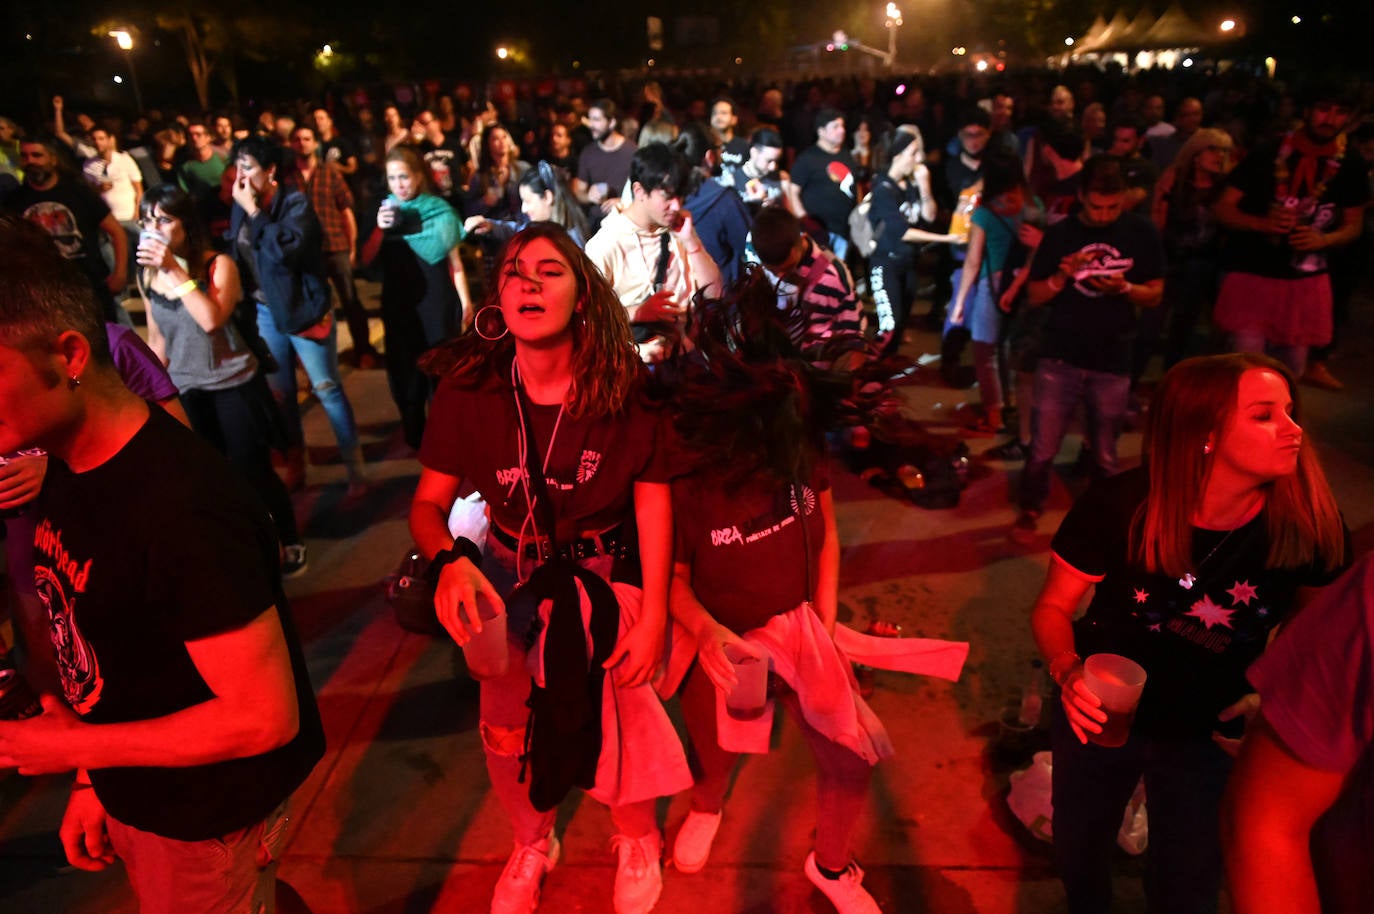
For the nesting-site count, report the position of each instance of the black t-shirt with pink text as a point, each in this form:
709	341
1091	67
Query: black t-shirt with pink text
473	434
751	550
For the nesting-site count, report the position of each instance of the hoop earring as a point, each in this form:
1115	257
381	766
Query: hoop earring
493	321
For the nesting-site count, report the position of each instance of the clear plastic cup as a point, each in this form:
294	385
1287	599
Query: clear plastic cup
749	698
486	653
1118	682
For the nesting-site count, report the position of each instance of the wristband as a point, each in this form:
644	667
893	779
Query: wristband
462	548
182	290
1059	676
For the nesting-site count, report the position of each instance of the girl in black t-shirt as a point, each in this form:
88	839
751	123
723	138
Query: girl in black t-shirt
1192	559
758	556
552	353
902	202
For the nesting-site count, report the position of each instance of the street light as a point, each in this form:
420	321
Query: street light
125	40
892	22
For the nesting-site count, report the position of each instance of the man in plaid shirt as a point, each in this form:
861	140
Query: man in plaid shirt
332	201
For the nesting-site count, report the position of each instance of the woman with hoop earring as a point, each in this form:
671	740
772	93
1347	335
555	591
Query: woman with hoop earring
541	411
425	297
1193	560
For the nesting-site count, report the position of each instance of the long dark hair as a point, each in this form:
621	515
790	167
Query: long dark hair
752	402
178	204
545	178
606	369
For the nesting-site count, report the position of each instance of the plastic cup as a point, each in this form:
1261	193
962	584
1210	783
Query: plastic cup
486	653
1117	681
749	698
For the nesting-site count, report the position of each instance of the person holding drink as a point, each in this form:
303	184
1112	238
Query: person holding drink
550	379
756	574
1285	209
1192	559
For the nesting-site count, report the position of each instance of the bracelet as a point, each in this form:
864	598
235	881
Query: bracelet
462	548
692	251
182	290
1058	677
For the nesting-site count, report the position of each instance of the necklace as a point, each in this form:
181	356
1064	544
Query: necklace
1188	580
1292	140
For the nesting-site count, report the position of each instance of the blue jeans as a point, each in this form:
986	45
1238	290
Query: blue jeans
839	245
1059	388
321	361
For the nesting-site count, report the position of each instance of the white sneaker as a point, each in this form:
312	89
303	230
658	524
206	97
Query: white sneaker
517	891
846	893
693	843
639	874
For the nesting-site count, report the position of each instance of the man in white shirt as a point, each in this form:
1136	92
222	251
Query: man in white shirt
116	176
651	253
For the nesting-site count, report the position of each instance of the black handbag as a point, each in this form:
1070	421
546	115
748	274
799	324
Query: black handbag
410	594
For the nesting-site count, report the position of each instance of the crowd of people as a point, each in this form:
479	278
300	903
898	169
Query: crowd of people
636	329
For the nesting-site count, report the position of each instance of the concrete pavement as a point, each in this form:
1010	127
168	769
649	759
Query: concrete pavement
398	816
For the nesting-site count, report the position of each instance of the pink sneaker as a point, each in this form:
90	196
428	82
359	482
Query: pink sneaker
517	891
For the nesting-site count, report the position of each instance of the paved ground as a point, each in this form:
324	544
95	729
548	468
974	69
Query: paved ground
398	816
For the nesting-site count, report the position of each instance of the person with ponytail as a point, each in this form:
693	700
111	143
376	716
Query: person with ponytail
544	197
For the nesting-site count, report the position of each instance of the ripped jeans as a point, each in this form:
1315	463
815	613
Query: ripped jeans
504	713
321	361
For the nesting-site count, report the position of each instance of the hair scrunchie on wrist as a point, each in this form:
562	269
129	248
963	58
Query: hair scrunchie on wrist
462	548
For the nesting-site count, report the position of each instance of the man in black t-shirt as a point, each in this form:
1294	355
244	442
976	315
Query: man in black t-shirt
187	712
823	181
448	162
74	216
1092	271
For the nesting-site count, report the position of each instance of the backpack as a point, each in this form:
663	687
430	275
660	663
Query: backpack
863	234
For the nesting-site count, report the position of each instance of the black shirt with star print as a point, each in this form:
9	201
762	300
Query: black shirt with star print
1195	638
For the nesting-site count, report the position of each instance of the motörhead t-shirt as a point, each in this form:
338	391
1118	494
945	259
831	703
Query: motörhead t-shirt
591	466
1195	638
1085	327
161	545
